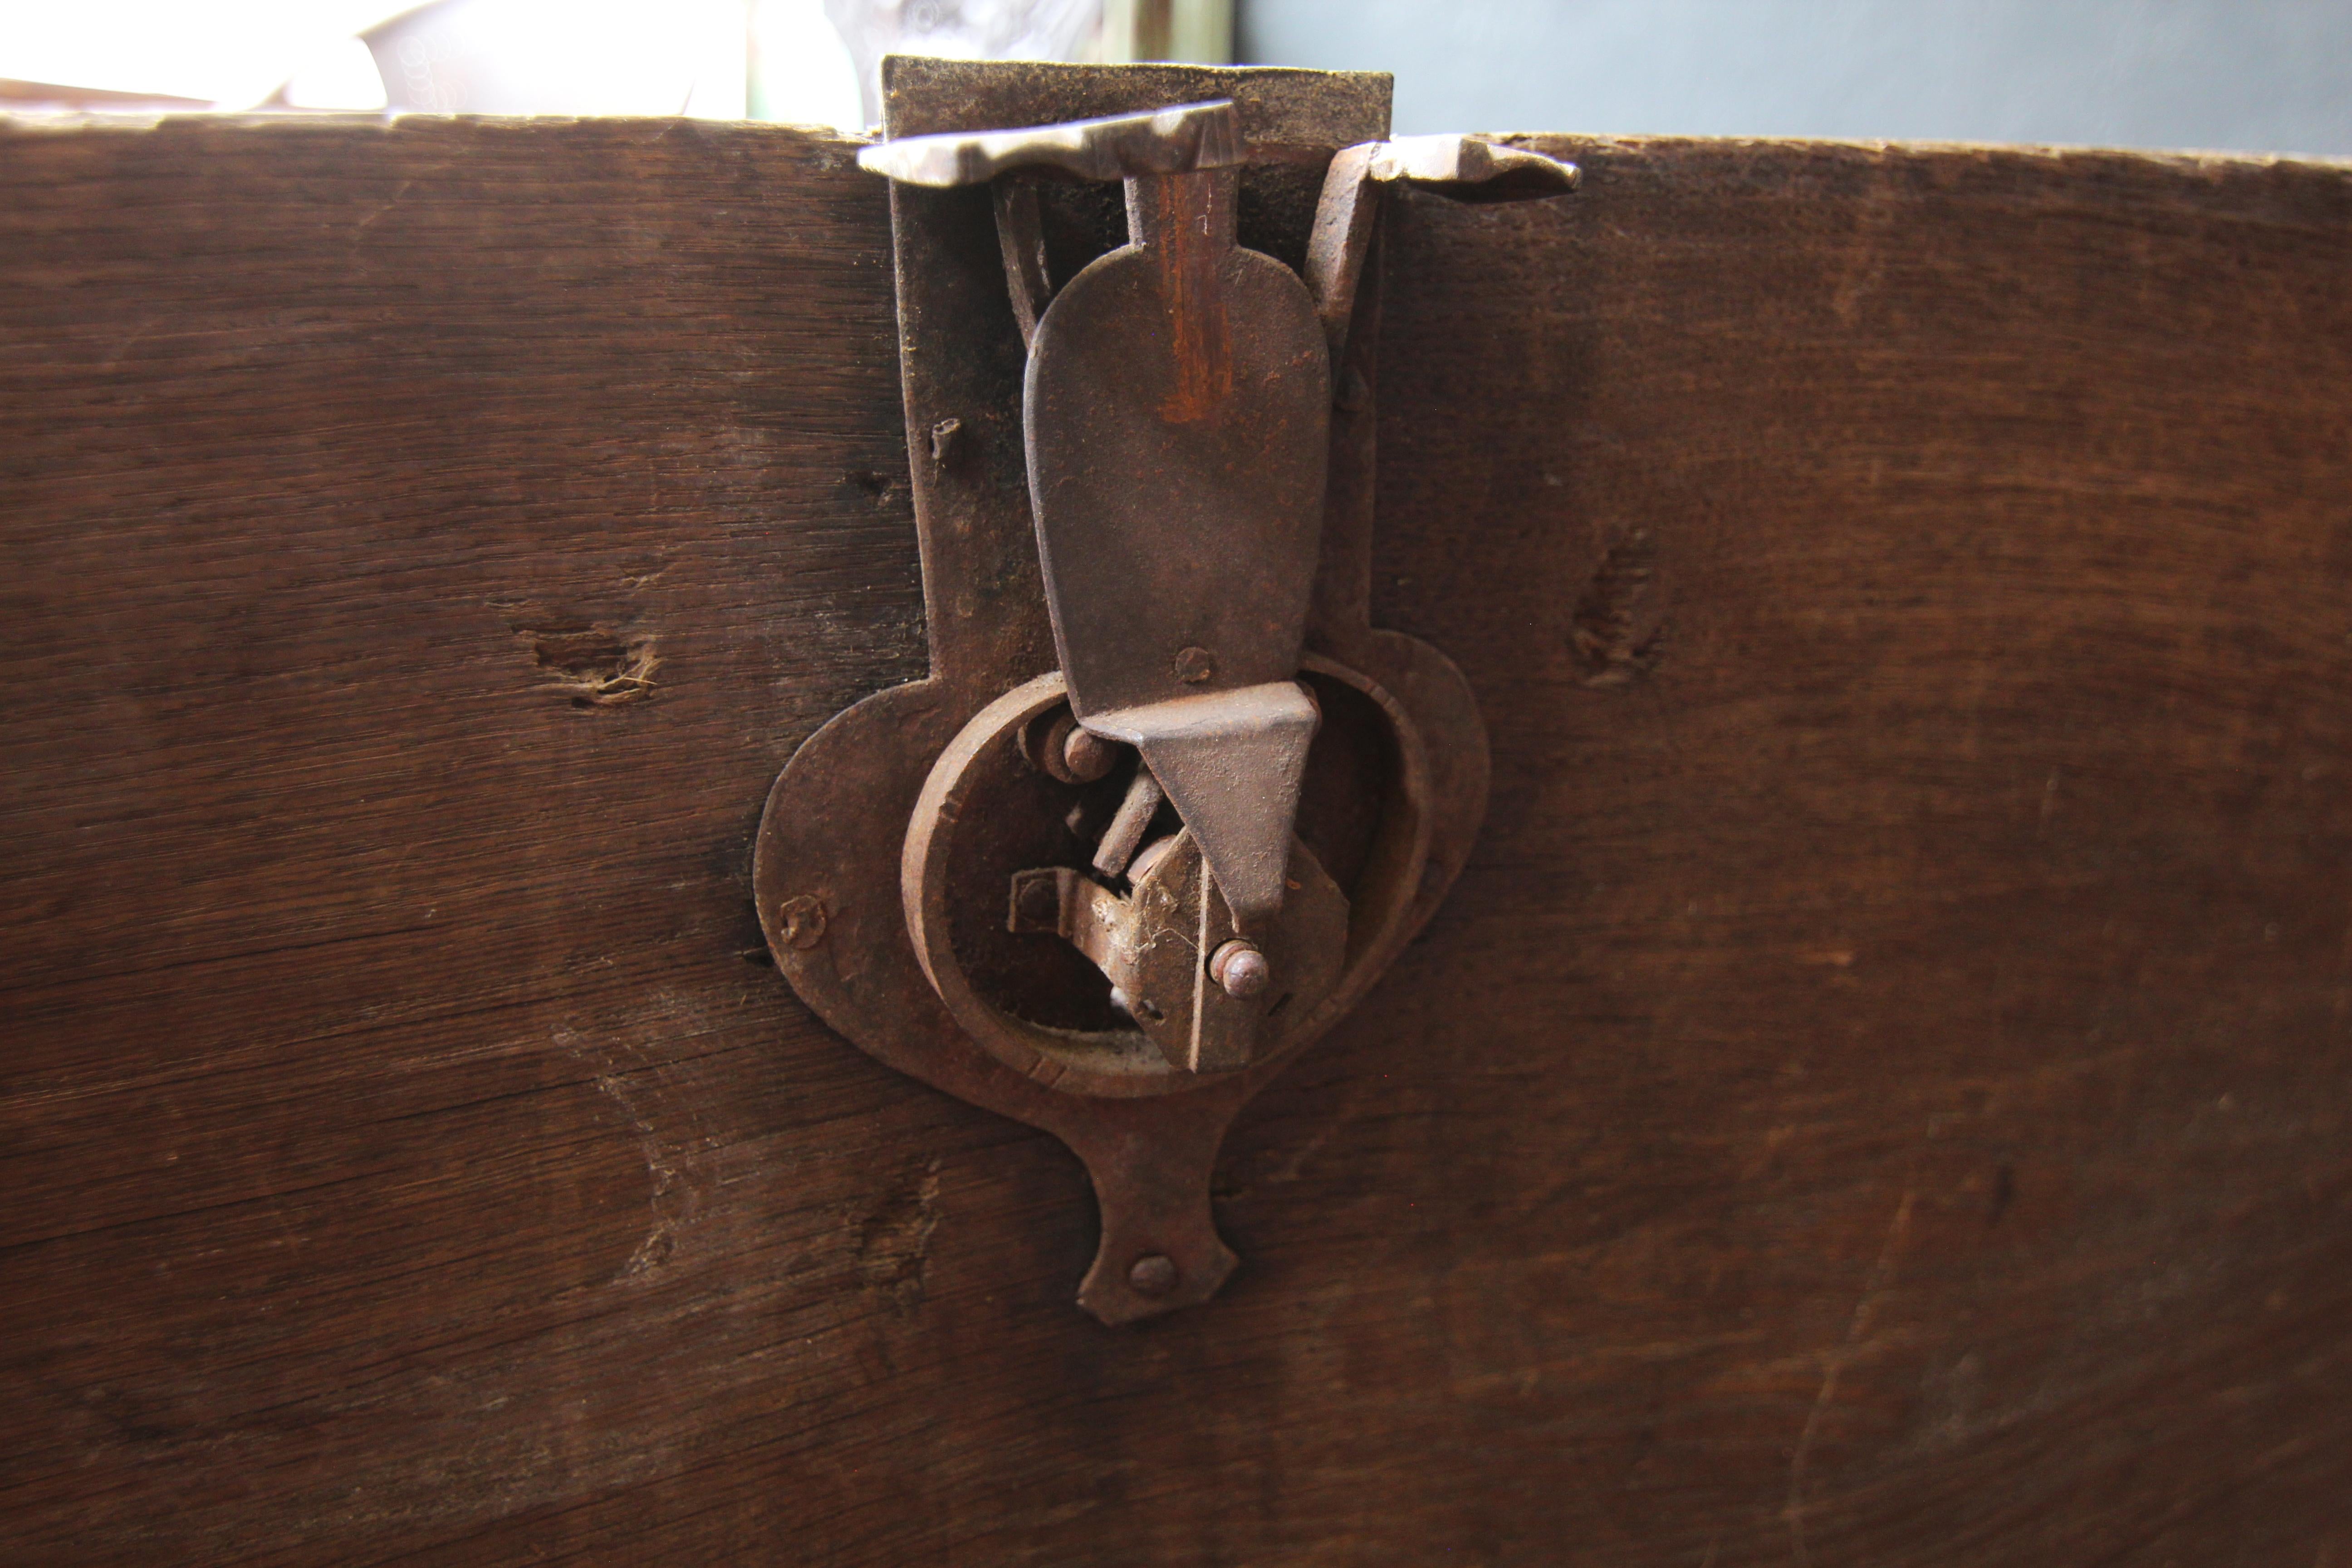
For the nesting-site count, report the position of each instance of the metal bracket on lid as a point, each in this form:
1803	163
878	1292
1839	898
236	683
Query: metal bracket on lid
1112	899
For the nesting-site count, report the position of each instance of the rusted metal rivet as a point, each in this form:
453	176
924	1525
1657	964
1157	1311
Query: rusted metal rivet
1036	901
803	922
1055	745
1154	1273
1087	755
1195	665
943	440
1240	968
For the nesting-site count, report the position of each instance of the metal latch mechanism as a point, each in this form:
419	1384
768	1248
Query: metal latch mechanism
1112	899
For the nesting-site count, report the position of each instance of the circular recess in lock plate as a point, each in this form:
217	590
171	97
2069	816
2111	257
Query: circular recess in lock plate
1040	1006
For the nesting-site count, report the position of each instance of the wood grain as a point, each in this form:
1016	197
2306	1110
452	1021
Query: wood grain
1879	1095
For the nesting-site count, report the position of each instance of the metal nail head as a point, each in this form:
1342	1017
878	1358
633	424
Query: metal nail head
1239	967
802	919
1154	1273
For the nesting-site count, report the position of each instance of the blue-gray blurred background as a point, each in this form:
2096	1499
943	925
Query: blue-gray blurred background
2246	75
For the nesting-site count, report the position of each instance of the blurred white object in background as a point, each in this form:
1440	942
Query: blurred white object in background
819	61
962	29
565	57
231	55
341	74
811	62
801	70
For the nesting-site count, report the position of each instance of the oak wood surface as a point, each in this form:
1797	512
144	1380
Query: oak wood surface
1879	1094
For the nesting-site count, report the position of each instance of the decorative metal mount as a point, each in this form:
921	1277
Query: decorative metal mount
1114	898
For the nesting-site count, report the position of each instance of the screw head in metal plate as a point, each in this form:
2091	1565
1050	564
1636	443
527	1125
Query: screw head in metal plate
803	920
1154	1274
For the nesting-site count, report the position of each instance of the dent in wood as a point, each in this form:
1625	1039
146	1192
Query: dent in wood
593	666
1618	630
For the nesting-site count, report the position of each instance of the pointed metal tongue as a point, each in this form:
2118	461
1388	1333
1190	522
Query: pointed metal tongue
1232	762
1177	416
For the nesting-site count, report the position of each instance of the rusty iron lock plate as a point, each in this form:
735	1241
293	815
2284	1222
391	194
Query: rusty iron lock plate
1167	805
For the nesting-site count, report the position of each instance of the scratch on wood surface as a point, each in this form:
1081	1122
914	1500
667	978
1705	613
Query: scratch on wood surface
1772	1142
661	1239
359	229
894	1238
132	340
1858	274
1339	1119
1857	1330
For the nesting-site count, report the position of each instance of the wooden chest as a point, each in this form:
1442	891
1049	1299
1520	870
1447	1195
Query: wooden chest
1878	1093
